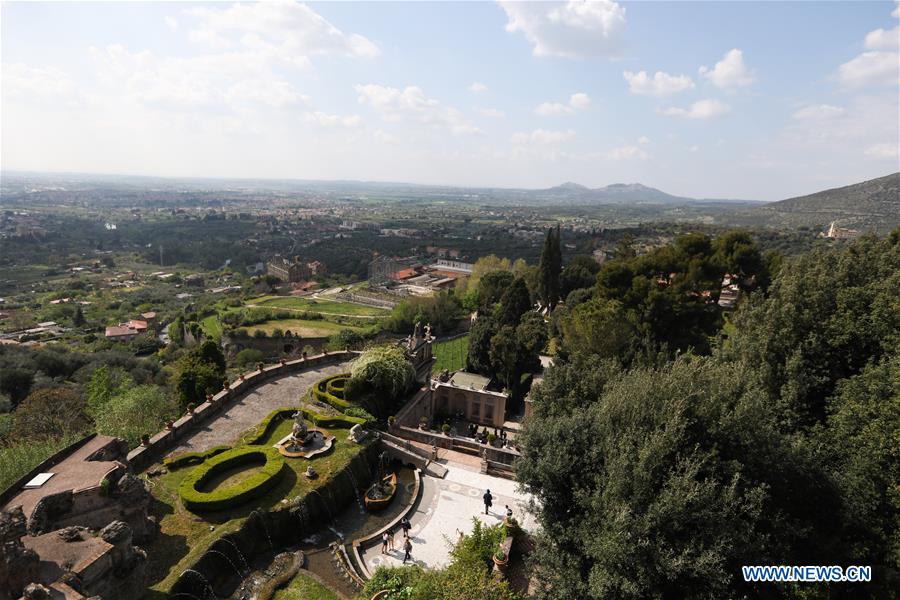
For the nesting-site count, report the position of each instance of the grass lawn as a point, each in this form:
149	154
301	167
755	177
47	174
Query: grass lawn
304	587
303	327
184	535
211	326
328	307
451	355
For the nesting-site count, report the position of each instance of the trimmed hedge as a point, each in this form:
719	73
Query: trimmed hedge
192	458
332	421
268	424
322	390
222	498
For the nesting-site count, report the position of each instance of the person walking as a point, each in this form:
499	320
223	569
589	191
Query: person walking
406	525
488	500
508	511
407	547
384	542
390	534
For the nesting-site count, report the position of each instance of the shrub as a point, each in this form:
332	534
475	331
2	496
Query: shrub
321	392
256	485
360	413
248	356
192	458
266	425
343	421
445	428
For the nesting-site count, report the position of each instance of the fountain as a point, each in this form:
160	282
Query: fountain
380	494
304	443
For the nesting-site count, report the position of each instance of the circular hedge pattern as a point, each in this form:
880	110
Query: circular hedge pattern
258	484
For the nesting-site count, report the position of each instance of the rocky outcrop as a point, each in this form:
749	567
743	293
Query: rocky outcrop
18	565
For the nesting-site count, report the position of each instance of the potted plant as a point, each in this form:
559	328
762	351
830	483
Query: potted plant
512	526
501	559
391	421
169	424
190	408
145	440
445	429
259	367
423	422
491	438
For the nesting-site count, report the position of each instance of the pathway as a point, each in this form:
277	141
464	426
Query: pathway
446	510
255	405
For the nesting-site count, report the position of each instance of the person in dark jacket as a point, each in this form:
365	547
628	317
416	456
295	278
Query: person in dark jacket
488	500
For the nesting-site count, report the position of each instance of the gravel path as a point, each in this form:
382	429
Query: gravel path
253	407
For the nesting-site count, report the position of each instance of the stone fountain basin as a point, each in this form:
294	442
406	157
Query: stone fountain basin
314	449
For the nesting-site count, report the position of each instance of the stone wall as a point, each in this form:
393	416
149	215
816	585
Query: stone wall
159	444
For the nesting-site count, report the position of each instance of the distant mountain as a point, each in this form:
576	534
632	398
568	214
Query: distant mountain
872	205
616	193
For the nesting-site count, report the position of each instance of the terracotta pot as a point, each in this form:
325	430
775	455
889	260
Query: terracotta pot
501	564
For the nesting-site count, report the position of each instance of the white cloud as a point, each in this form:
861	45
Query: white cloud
579	101
492	113
729	72
286	32
627	153
701	109
322	119
172	23
643	140
410	103
896	12
20	80
870	68
478	87
542	136
661	84
577	28
881	39
819	112
883	150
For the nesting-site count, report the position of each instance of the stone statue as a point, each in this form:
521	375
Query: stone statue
299	430
417	332
357	434
427	330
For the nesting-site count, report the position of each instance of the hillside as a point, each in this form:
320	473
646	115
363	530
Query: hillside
872	205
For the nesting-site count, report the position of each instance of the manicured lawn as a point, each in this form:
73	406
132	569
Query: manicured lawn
184	535
304	587
303	327
451	355
332	307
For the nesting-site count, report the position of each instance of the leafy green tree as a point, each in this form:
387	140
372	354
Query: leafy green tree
663	482
549	269
379	379
515	302
15	383
134	412
78	317
531	338
491	288
479	357
581	272
50	413
504	355
248	357
601	328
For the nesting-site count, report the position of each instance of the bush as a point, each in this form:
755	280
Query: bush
342	421
445	428
192	458
322	392
360	413
266	425
255	486
248	356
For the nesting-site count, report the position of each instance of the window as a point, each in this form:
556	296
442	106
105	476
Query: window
476	409
489	410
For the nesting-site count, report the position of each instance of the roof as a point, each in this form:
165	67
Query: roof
135	324
149	315
119	331
405	274
463	379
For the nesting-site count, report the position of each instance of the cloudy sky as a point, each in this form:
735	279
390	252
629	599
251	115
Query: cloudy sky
759	100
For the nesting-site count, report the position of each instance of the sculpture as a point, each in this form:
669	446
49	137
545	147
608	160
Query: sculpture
299	431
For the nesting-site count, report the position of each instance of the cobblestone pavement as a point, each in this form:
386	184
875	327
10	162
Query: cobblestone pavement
446	510
254	406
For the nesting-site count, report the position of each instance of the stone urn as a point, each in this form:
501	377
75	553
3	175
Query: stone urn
170	424
145	440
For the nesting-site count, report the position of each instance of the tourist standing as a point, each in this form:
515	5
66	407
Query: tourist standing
488	500
384	542
390	535
508	511
407	547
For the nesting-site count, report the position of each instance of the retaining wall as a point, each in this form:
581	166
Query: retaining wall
163	441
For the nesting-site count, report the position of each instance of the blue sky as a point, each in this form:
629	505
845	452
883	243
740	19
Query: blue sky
760	100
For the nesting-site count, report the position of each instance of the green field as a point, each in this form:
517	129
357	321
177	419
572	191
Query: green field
327	307
304	587
451	355
303	328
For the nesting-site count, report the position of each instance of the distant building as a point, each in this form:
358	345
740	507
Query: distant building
468	394
454	265
294	270
121	333
840	233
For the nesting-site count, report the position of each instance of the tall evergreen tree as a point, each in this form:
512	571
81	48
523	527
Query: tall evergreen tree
515	302
549	269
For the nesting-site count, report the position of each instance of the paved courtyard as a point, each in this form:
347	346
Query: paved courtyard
253	407
446	510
